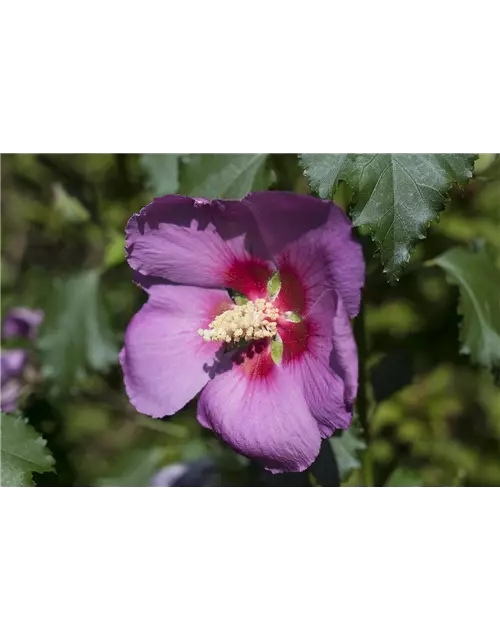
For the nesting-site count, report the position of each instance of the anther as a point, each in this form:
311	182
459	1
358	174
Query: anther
253	320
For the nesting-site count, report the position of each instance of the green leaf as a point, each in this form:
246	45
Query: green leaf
76	336
221	175
163	172
115	250
23	452
325	170
479	283
401	477
396	195
345	448
136	469
70	209
324	471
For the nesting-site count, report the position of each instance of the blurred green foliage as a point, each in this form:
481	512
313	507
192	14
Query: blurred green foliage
434	415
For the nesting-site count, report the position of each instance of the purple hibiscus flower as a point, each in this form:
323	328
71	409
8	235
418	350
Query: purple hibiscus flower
13	362
277	371
19	322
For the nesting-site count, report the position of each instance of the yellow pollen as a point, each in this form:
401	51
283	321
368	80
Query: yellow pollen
250	321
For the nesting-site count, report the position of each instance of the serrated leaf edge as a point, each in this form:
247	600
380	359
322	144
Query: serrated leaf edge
395	276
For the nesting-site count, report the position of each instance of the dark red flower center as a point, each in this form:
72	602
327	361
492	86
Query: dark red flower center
251	278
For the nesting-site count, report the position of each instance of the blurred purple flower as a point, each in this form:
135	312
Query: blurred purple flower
13	362
21	322
276	374
198	473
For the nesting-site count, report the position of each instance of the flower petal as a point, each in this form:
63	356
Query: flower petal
21	322
319	351
344	354
164	360
11	392
284	218
328	369
193	241
305	274
347	265
13	362
260	412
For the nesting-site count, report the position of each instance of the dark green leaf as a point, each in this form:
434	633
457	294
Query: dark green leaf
404	478
163	172
396	195
345	448
479	283
325	170
76	336
325	469
23	452
215	175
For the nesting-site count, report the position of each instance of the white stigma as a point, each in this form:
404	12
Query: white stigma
250	321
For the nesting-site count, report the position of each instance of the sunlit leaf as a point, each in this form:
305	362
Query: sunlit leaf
115	250
70	209
24	451
215	175
479	306
76	336
396	195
